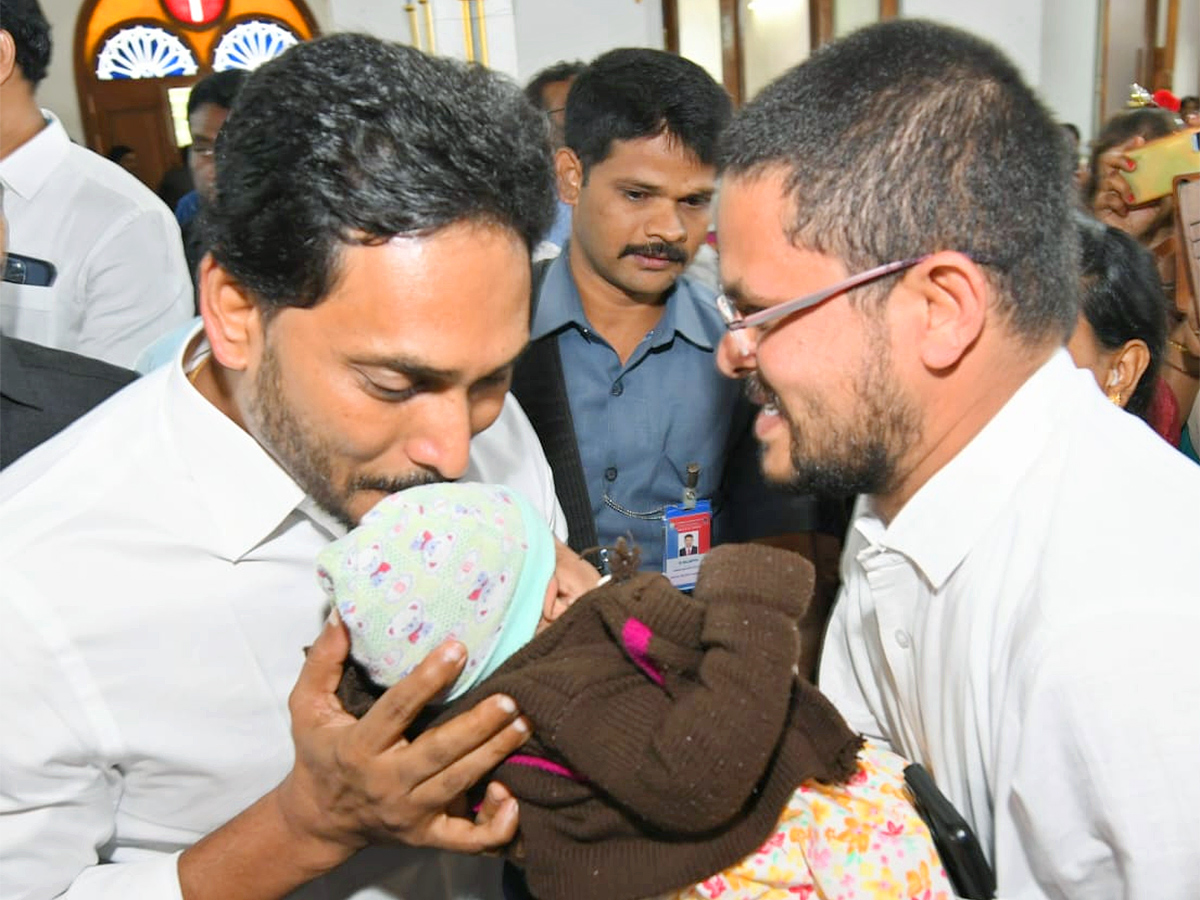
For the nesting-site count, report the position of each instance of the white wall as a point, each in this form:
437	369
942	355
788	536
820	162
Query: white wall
1014	25
700	35
1069	69
1187	50
57	92
775	35
550	30
1052	42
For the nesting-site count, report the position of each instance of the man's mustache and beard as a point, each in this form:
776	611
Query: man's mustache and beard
307	458
657	250
847	453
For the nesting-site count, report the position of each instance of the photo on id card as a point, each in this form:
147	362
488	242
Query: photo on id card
687	536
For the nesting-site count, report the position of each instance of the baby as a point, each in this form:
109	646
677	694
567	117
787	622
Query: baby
675	752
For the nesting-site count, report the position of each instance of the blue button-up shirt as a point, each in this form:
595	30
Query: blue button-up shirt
638	425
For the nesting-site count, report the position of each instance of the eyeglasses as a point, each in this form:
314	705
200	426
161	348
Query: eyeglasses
736	323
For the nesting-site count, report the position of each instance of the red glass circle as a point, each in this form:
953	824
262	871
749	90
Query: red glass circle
195	12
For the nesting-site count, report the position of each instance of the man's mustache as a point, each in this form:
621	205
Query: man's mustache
671	252
393	485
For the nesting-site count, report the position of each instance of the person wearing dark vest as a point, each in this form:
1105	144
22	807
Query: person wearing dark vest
618	334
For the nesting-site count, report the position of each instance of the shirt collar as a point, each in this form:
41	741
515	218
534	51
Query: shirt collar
943	521
688	312
247	494
30	166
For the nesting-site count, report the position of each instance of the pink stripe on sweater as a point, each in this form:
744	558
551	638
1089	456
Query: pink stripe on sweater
536	762
636	636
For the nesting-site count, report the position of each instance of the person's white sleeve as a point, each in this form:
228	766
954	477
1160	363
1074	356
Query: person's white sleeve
1105	798
845	675
508	452
134	287
58	795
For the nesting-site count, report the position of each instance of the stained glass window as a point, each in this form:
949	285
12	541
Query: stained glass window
248	45
144	51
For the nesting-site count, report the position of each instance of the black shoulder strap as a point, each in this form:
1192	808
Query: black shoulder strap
539	386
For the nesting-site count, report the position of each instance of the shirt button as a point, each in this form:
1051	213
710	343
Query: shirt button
903	641
610	474
618	389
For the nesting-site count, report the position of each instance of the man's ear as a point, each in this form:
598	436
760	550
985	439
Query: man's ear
232	319
8	57
954	299
569	172
1126	369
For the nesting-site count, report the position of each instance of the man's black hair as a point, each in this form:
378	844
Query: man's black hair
1123	299
30	31
351	140
561	71
219	89
118	152
910	137
638	93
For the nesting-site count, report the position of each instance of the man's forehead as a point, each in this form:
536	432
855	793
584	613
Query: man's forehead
652	156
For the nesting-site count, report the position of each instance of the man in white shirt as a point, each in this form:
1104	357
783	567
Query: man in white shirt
1020	610
121	280
364	302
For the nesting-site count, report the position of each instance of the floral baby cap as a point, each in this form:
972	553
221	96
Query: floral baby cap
455	560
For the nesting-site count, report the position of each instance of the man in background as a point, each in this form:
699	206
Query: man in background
548	90
364	301
208	107
119	279
897	240
619	333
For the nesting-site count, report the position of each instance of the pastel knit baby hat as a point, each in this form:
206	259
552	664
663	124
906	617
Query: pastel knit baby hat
468	561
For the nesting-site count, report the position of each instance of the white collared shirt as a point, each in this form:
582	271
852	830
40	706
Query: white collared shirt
158	590
122	280
1028	628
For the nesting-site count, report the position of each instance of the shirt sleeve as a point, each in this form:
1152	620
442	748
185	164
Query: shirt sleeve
1103	801
134	287
58	795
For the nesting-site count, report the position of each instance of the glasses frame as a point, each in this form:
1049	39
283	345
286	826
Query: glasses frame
735	322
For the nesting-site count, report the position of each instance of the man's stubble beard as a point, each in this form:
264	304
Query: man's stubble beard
862	456
304	455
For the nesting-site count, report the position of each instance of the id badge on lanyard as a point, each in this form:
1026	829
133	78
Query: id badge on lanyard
687	534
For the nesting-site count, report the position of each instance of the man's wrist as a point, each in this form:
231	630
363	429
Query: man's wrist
264	853
297	814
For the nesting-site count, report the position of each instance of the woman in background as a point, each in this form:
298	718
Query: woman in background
1123	321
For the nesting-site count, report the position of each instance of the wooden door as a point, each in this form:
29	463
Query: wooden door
137	114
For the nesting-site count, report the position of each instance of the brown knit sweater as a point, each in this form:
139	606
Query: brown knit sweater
668	731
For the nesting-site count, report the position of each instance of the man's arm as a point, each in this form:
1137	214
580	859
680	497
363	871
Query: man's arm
135	287
352	783
359	782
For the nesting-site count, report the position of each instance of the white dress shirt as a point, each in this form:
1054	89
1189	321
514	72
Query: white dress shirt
122	279
158	590
1027	628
